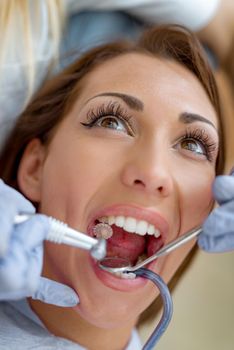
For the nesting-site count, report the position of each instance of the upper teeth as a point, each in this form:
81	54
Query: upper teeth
130	224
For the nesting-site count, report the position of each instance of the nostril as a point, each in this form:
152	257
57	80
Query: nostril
138	182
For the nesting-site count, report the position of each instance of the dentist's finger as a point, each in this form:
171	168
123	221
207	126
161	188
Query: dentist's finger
220	221
223	188
52	292
44	289
217	244
32	278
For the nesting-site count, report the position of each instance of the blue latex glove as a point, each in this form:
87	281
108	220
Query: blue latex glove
21	254
218	229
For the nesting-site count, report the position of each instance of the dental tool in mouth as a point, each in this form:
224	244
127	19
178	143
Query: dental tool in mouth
61	233
120	266
102	230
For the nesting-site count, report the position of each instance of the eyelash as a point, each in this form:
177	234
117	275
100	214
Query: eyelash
113	109
201	136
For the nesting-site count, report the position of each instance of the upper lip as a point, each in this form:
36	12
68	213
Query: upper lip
137	212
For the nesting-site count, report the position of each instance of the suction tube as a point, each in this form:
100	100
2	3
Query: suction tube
167	306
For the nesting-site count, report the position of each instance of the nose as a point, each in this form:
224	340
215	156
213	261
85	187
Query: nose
149	171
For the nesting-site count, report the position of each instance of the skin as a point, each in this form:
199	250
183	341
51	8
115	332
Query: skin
86	169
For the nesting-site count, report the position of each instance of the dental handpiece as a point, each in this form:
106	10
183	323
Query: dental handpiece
61	233
124	266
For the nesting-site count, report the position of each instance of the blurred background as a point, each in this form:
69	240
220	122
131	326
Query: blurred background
203	301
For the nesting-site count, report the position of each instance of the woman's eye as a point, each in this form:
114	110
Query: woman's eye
193	146
112	123
111	116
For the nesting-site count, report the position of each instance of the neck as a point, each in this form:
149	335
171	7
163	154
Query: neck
68	324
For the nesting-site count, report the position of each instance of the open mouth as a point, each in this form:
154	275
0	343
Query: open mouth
133	240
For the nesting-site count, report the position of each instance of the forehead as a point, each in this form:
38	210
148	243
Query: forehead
151	79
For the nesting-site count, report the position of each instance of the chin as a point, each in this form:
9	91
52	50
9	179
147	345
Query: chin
106	319
114	309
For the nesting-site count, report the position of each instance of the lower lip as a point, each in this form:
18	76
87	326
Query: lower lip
118	283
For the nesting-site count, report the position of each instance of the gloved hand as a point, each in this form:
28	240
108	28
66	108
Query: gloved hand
218	229
21	254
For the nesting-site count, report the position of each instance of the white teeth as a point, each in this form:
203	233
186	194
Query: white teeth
119	221
103	219
151	230
111	220
141	227
130	224
156	233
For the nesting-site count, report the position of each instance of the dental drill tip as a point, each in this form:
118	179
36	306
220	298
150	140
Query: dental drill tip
102	230
98	252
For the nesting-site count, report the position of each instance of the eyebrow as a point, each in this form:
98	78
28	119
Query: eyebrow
188	118
131	101
138	105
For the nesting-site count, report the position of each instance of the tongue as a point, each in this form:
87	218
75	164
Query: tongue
153	245
125	245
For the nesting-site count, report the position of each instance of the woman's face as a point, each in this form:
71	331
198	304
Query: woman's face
140	142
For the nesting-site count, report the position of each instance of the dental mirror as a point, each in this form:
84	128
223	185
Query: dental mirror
114	263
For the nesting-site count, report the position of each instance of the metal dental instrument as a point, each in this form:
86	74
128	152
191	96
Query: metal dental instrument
111	264
61	233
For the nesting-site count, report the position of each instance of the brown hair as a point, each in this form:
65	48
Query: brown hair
56	98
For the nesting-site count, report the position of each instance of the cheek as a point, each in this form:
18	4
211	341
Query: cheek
56	263
71	177
196	198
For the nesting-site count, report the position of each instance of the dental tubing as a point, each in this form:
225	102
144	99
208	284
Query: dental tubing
167	306
61	233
